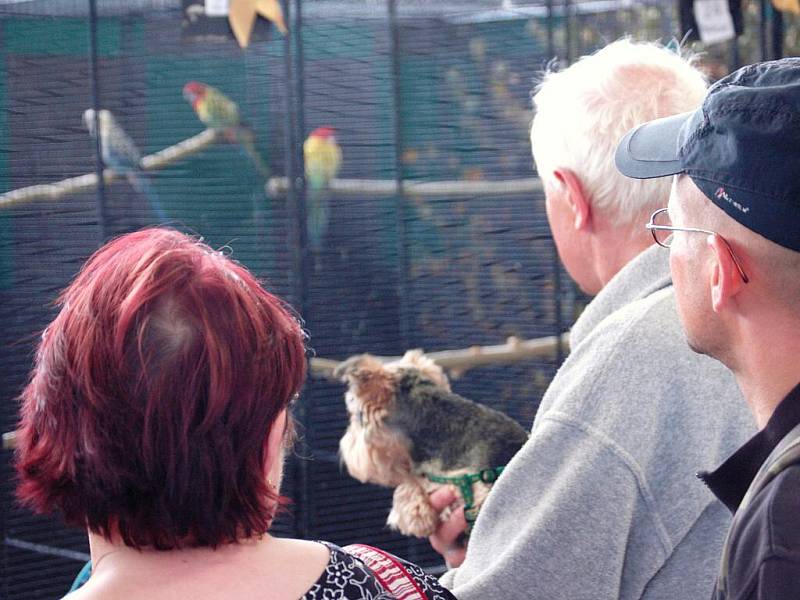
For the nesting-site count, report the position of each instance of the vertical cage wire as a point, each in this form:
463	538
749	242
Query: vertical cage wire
95	94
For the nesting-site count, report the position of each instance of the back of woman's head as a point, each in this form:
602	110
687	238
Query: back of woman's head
153	392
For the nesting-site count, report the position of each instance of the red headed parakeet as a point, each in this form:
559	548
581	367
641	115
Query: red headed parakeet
216	111
323	159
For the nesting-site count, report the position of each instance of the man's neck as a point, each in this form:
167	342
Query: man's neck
763	360
761	349
612	254
764	393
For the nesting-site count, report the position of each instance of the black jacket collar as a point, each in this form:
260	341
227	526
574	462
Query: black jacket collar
731	480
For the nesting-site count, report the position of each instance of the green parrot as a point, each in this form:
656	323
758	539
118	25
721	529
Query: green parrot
216	111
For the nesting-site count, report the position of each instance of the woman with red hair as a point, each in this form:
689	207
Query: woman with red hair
157	415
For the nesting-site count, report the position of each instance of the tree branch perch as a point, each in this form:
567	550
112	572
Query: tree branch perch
277	186
460	361
73	185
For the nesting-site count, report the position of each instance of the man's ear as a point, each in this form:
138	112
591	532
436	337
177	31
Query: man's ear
579	202
726	280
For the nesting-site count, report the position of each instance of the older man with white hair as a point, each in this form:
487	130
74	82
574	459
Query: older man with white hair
601	503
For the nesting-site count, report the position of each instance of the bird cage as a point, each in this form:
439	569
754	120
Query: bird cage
430	234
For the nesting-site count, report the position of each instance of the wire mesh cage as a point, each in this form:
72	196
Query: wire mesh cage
418	92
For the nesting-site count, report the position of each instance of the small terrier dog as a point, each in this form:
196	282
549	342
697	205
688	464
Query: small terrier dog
409	431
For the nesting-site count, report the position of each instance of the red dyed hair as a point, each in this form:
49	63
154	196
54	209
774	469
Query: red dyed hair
153	393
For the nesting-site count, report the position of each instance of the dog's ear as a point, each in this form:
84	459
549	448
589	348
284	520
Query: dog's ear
343	368
371	382
356	368
427	368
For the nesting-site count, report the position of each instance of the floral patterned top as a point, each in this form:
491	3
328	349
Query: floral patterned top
346	578
362	572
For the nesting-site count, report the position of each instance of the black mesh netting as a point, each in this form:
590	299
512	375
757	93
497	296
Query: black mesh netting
439	92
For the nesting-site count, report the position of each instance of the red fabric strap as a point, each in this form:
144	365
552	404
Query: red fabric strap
389	571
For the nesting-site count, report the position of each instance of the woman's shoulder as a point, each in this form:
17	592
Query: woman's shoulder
297	568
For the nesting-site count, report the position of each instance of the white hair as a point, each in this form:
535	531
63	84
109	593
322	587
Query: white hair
583	111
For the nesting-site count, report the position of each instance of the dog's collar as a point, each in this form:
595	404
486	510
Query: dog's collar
464	484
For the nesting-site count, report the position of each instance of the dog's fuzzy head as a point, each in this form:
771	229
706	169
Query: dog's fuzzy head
372	451
371	388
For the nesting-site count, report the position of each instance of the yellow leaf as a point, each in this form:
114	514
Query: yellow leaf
241	16
792	6
271	10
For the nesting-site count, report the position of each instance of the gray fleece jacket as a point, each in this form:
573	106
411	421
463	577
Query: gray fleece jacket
602	502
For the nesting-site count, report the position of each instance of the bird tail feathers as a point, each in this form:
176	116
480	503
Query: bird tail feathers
142	184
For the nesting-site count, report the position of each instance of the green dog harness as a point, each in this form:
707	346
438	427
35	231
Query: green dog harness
464	484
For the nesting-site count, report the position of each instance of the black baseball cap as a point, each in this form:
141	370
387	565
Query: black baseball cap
741	148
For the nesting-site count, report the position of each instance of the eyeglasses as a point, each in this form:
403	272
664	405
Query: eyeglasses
662	229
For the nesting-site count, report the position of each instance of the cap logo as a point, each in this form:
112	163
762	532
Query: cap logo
721	194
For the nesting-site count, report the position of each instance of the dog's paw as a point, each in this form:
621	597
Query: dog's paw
418	523
411	512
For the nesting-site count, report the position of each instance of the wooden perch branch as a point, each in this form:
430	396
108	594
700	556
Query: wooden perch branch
460	361
276	186
151	162
388	187
181	150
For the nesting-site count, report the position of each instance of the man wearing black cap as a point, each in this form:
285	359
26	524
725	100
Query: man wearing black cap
733	229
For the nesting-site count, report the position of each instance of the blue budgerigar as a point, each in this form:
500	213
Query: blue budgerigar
120	154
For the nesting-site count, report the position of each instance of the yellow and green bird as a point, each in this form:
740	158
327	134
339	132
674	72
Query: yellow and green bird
323	159
216	111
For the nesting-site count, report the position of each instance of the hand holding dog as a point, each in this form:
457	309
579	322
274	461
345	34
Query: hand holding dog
448	539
